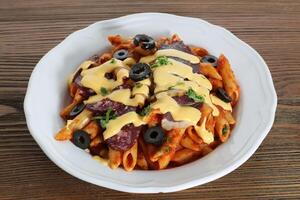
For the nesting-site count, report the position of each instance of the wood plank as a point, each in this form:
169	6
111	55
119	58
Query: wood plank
29	29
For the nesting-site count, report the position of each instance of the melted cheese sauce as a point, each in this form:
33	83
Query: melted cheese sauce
180	76
122	96
207	136
171	52
165	104
85	65
216	101
94	78
115	125
173	75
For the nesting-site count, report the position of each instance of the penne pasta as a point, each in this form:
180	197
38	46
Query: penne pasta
169	146
130	157
105	57
228	116
229	81
164	160
222	128
205	111
93	129
194	135
159	103
78	122
76	100
209	71
114	158
188	143
148	150
141	161
184	156
198	51
95	141
216	83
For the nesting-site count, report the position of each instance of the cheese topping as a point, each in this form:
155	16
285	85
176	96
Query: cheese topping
115	125
207	136
215	100
94	78
122	96
165	104
171	75
171	52
177	75
85	65
129	61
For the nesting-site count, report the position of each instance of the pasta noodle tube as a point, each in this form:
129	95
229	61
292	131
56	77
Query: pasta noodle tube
169	146
188	143
105	57
95	141
66	111
130	158
141	161
114	158
147	150
154	117
175	38
210	123
78	122
206	110
199	51
216	83
92	129
184	156
208	70
164	161
206	150
194	135
229	81
222	128
229	117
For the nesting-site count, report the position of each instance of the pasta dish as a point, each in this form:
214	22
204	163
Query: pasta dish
150	104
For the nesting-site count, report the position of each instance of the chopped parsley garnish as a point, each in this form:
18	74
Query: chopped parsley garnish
167	149
177	84
224	130
139	85
103	91
104	119
193	95
169	139
160	61
113	61
146	110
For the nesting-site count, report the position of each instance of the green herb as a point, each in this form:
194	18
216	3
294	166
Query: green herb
177	84
167	149
113	61
193	95
103	91
139	85
104	119
169	139
160	61
146	110
224	130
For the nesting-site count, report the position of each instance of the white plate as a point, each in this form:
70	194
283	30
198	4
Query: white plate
47	94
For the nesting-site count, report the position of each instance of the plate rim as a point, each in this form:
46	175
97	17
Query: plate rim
154	189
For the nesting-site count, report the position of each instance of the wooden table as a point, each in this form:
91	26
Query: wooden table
28	29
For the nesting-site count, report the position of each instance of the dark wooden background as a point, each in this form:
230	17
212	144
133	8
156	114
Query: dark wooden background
28	29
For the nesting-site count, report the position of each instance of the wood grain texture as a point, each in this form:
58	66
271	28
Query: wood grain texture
28	29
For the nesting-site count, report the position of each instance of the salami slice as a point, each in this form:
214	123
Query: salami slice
125	139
